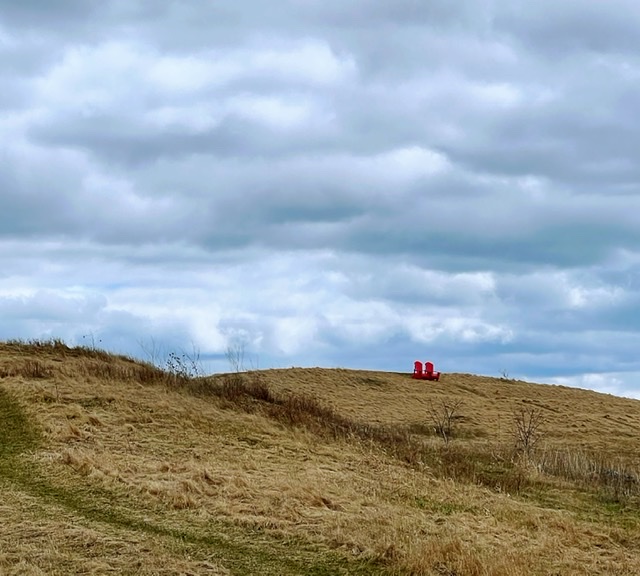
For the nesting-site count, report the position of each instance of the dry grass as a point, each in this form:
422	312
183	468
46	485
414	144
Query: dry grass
575	418
330	469
37	538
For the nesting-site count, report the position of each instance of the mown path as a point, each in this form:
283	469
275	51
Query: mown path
240	550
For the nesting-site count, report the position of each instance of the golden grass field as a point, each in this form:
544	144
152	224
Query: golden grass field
113	466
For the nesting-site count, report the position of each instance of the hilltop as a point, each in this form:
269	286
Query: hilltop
108	464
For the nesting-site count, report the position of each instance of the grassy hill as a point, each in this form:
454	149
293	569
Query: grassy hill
109	465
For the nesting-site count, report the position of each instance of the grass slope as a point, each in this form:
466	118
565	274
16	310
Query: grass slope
573	417
111	465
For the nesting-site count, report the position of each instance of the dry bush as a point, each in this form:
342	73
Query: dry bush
30	368
55	347
527	429
184	366
108	371
36	369
149	374
235	356
250	385
444	417
113	371
236	388
301	409
451	556
466	464
257	388
612	478
232	388
38	345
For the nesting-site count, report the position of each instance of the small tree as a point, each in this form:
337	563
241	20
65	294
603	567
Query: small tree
444	418
527	424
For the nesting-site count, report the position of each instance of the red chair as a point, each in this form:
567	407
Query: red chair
417	369
429	373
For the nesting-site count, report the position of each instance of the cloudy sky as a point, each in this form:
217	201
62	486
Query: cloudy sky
327	183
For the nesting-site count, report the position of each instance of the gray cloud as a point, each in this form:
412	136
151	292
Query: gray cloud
559	30
332	184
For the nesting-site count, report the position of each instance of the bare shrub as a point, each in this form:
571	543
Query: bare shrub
184	366
90	341
444	418
235	356
152	351
527	429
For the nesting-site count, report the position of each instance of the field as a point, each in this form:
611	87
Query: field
110	465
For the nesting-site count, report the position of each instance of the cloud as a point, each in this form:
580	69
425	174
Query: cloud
330	184
573	28
618	384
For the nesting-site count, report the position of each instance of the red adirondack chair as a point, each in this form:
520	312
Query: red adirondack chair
429	373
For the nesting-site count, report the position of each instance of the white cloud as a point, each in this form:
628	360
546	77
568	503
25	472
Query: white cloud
90	78
407	164
590	297
191	74
192	118
310	61
437	325
561	290
296	335
500	94
8	41
616	383
98	77
279	114
337	185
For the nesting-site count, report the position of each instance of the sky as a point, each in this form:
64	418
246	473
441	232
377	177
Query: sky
325	183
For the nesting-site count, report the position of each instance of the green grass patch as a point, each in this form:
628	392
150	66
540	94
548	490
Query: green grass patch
16	432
